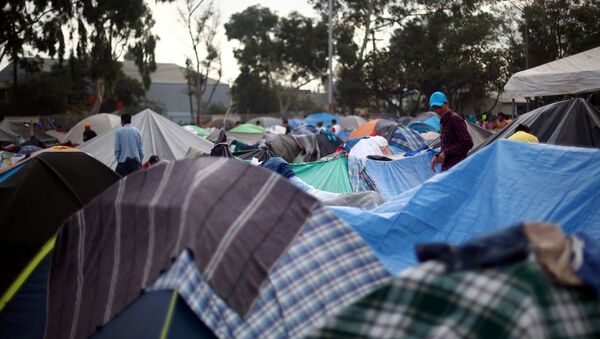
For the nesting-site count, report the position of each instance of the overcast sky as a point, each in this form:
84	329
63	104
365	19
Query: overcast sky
174	44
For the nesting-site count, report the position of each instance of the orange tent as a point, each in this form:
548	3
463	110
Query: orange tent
364	129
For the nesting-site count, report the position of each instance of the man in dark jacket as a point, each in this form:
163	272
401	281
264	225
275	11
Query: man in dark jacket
456	140
88	133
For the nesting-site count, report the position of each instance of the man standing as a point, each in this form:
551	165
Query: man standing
88	133
335	127
456	140
129	151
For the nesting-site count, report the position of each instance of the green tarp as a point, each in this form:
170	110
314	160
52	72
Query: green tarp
331	175
248	128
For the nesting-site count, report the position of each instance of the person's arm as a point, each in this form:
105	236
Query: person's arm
117	146
463	141
140	147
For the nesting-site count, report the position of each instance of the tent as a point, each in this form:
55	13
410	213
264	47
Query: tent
402	139
328	175
199	131
160	136
195	222
573	122
248	128
101	124
574	74
536	182
295	123
370	128
323	117
352	122
431	124
37	196
266	122
13	132
478	134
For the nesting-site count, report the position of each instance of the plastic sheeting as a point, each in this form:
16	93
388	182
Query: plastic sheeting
323	117
573	122
393	178
160	136
578	73
504	184
331	175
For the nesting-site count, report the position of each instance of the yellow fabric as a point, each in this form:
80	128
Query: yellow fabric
523	136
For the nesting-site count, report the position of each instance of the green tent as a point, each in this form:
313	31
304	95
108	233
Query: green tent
330	175
201	132
248	128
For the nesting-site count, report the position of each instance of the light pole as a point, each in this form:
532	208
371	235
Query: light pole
330	75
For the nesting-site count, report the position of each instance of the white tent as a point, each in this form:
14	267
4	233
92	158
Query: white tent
101	123
578	73
160	136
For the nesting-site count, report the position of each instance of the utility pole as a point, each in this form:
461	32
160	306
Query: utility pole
330	75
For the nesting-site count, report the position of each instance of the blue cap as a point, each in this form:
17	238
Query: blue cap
437	99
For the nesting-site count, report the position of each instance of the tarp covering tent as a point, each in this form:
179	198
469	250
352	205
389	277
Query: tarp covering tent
323	117
13	132
101	124
329	175
538	182
393	178
214	216
371	128
199	131
295	123
160	136
431	124
266	122
37	196
573	122
352	122
402	139
574	74
517	301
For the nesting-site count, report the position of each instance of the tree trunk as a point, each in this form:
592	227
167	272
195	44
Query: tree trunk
99	96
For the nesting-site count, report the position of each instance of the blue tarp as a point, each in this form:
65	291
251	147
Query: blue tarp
10	172
323	117
503	184
393	178
294	123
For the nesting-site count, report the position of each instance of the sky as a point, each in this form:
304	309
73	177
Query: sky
174	44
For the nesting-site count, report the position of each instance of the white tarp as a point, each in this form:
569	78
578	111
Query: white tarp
101	123
578	73
160	136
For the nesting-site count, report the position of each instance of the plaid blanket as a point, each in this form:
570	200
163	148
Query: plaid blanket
310	147
237	220
423	302
326	267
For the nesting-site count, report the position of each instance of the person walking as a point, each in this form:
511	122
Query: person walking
88	133
129	150
456	140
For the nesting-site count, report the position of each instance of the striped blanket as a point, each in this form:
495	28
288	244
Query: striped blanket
236	220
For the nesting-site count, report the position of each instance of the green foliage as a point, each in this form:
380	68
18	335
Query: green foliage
252	93
40	94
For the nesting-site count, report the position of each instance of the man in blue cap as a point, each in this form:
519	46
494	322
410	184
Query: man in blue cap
456	140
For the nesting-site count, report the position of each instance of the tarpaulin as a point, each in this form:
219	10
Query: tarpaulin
331	175
503	184
393	178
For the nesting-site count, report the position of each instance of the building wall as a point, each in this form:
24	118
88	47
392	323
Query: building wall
173	97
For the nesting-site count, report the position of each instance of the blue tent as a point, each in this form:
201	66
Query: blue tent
503	184
431	124
323	117
294	123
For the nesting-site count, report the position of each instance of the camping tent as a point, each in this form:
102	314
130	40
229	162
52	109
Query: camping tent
323	117
352	122
37	196
266	122
573	122
371	128
101	124
249	128
199	131
328	175
13	132
202	220
577	73
160	136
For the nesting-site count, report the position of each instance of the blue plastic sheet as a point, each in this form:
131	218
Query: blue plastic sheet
323	117
501	185
393	178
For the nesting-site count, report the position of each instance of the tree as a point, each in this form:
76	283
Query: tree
33	24
201	24
285	53
104	31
